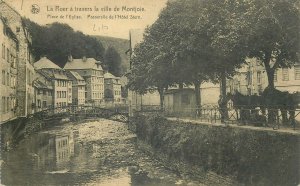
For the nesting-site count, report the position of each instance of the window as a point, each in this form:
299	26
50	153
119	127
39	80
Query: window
3	77
297	72
249	78
14	62
7	104
39	103
44	104
12	81
3	51
7	53
11	59
259	77
2	105
285	74
12	103
7	79
275	76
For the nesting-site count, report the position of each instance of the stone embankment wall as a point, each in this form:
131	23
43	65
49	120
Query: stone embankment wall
250	156
15	130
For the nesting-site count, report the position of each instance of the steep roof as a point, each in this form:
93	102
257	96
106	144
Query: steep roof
76	75
54	74
108	75
45	63
8	29
77	64
40	85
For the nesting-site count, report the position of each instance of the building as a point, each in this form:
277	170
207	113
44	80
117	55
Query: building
78	88
8	68
288	79
25	90
62	85
209	93
180	101
92	72
43	92
252	79
112	88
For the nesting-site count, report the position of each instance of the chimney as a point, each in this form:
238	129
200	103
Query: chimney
70	58
84	58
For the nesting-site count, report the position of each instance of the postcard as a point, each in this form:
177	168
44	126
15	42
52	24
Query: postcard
141	93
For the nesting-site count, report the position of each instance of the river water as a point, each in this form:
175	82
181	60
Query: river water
98	152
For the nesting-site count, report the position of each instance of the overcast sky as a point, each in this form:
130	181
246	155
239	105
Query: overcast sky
116	27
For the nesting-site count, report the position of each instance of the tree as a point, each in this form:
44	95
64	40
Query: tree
57	41
227	27
179	42
274	35
202	39
112	61
149	71
184	45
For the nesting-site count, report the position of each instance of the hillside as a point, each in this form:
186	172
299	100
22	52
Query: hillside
121	45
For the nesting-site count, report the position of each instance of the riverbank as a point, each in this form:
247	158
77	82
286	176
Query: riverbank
238	155
90	152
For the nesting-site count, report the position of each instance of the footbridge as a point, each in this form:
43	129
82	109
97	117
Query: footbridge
117	113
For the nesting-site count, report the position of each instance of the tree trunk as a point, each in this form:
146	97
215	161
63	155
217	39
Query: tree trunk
223	94
161	98
270	71
223	84
198	98
270	74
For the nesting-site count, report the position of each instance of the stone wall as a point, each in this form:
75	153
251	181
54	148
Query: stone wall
15	130
251	156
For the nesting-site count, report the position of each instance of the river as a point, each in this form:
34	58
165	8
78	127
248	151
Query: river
100	152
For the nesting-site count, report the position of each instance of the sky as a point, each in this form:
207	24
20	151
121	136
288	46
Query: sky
112	18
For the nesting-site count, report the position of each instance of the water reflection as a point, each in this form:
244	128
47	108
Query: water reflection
61	159
37	157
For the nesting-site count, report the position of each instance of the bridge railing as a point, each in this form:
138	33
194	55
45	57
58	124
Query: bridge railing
80	109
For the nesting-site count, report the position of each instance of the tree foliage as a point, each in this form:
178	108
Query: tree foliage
196	40
112	61
57	41
274	35
189	45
